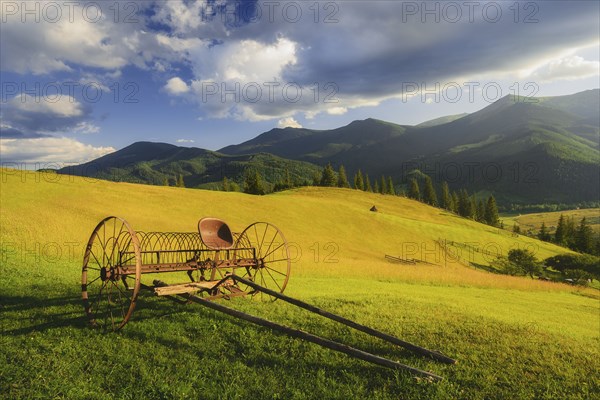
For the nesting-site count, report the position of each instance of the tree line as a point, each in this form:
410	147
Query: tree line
575	236
573	268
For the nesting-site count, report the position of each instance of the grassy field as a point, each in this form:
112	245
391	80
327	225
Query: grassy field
534	221
514	338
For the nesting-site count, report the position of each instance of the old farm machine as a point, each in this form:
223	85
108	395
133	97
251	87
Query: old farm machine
219	264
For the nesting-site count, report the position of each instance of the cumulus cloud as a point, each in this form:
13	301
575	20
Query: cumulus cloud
567	68
50	150
176	86
32	114
185	141
288	122
181	38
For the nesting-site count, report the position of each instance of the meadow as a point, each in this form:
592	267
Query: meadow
534	221
513	337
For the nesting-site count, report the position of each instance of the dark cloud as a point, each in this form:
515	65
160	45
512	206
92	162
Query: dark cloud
12	133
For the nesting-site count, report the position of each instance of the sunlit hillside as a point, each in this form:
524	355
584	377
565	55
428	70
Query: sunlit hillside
495	325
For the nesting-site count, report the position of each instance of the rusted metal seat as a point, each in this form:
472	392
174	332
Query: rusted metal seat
215	234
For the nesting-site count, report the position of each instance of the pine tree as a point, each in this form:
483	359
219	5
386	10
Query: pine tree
570	230
413	190
543	233
342	178
368	187
516	228
359	183
481	211
429	195
180	182
491	212
559	235
253	183
383	187
316	178
472	208
328	179
464	204
390	186
446	197
584	236
376	187
226	187
455	203
166	182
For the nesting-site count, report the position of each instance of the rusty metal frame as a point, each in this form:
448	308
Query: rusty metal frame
116	257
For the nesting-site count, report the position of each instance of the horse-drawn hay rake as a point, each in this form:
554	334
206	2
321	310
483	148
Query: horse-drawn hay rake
219	264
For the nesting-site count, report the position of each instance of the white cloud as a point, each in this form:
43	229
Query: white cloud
176	86
288	122
50	150
337	111
59	106
185	141
567	68
86	128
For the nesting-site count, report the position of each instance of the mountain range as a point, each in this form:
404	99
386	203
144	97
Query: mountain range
523	150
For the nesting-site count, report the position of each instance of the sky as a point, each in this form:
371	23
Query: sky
82	79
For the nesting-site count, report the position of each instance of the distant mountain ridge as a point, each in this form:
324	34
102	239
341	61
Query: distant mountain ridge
546	149
524	150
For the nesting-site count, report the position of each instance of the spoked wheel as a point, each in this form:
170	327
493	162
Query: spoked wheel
111	273
271	257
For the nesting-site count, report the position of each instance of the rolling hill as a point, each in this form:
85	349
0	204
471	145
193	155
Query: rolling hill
153	163
500	328
524	150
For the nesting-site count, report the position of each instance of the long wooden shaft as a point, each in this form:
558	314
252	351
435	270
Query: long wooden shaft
392	339
362	355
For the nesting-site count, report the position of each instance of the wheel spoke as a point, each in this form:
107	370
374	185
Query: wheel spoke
110	302
274	250
274	270
266	269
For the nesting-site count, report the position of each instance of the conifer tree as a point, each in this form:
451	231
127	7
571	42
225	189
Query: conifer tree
316	178
446	197
584	236
413	190
543	233
481	211
429	195
376	187
328	179
225	184
559	235
368	187
359	183
516	228
383	187
491	212
342	178
180	182
455	203
166	182
390	186
253	183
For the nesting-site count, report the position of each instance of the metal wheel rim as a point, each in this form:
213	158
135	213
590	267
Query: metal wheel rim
272	252
109	303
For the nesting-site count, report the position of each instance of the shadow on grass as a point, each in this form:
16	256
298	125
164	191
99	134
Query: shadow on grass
483	267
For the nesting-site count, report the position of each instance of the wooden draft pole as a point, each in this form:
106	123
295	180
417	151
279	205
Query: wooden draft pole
373	332
296	333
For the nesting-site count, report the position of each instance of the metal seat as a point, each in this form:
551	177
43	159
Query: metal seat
215	234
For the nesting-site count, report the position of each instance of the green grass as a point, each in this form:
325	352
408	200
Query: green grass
514	338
